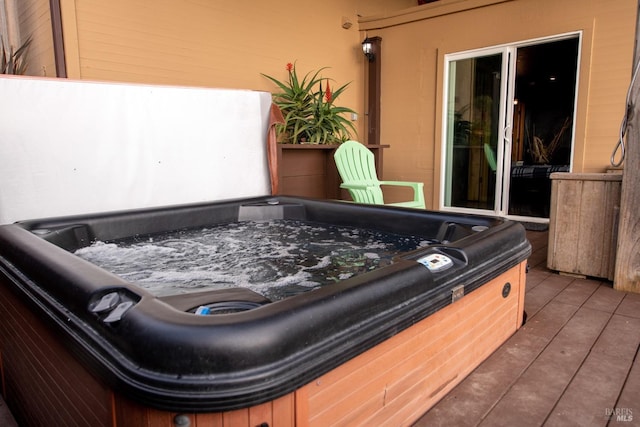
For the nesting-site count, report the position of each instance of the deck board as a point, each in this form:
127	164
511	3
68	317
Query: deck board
574	362
631	390
537	390
601	376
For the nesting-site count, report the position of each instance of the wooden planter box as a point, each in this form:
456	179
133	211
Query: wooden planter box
583	224
308	170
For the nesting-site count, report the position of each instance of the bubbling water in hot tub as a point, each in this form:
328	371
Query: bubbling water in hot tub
277	258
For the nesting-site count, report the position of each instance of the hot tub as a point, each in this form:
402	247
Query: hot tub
379	346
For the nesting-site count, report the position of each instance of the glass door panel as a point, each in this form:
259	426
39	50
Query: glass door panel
473	132
545	93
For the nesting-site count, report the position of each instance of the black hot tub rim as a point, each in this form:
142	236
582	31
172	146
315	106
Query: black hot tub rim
319	326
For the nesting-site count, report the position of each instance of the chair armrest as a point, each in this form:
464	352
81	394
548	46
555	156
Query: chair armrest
354	186
416	185
372	188
418	194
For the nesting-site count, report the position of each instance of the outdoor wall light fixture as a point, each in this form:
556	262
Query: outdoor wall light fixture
372	49
367	49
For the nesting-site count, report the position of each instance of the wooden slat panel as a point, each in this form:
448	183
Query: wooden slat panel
276	413
238	418
419	354
305	186
591	230
302	406
128	414
399	379
486	330
599	211
209	420
40	373
613	199
563	224
284	411
465	361
261	414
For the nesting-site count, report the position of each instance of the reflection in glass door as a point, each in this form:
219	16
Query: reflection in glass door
474	126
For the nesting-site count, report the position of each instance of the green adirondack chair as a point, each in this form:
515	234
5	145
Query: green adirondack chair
356	166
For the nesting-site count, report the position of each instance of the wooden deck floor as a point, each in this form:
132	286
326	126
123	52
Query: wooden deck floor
575	361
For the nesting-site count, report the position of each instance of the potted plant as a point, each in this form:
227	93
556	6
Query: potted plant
309	110
313	128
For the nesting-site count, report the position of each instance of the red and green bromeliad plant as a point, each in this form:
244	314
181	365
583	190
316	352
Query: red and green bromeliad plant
309	110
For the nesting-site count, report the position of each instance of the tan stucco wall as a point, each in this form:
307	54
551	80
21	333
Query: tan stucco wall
415	41
216	43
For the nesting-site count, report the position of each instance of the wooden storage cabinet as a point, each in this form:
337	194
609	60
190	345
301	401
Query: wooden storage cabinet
583	223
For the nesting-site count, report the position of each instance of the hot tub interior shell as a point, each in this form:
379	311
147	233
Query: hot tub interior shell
380	347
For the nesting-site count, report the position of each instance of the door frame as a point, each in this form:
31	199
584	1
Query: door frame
507	95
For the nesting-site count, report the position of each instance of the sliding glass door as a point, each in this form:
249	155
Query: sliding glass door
488	167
